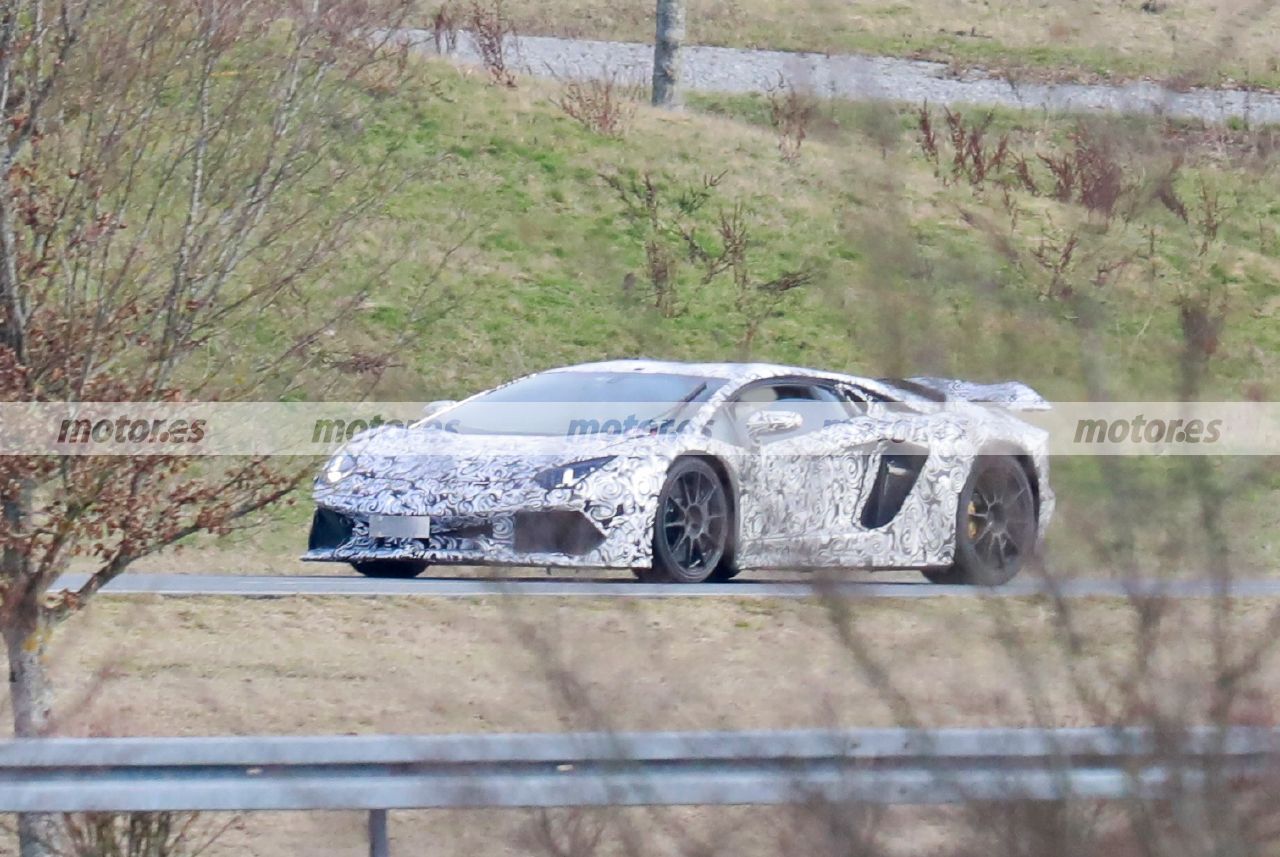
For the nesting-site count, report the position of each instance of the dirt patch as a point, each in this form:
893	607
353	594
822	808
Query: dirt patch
137	666
313	665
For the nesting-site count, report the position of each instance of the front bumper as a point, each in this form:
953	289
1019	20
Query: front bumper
548	537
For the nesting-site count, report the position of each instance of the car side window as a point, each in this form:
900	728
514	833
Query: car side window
730	423
829	406
819	406
866	396
856	400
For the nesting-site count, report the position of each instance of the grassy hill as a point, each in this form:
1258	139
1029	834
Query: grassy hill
916	268
913	273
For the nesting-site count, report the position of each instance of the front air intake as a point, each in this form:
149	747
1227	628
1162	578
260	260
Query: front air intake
556	531
329	529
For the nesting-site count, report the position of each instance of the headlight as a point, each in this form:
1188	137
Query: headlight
339	468
568	475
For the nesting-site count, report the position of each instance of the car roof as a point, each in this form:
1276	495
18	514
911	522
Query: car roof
728	371
747	372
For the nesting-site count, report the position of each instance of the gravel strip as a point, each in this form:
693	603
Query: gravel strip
710	69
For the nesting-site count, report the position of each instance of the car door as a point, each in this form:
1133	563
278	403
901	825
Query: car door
791	493
885	449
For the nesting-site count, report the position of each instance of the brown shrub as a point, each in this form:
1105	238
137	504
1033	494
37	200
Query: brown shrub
790	112
605	105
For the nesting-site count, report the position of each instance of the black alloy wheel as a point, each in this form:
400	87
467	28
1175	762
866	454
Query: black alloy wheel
692	530
995	525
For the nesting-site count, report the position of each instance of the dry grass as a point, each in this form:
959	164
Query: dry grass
317	666
749	831
299	665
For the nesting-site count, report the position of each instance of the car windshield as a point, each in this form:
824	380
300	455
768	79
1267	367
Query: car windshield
581	403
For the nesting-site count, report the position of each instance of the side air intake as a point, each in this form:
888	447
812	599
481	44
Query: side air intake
899	470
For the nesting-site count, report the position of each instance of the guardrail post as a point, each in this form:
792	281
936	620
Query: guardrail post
379	844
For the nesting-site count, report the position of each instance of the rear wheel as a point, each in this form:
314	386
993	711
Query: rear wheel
726	571
402	568
995	525
691	535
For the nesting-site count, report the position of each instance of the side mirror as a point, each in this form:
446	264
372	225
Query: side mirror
436	407
764	423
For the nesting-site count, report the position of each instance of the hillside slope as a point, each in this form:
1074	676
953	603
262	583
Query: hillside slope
916	267
913	272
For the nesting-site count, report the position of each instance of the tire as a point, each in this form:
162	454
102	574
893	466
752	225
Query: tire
724	572
693	529
401	568
995	525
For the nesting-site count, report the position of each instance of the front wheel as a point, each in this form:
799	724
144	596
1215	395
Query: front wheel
995	525
691	534
401	568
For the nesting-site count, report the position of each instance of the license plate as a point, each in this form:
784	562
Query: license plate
399	526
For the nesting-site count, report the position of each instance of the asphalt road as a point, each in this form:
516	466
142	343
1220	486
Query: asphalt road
273	586
712	69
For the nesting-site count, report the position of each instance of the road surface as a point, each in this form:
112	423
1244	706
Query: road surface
271	586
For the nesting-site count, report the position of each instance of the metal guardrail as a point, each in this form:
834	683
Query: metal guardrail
379	773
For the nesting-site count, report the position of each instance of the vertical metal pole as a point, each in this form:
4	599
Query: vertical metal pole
379	844
666	53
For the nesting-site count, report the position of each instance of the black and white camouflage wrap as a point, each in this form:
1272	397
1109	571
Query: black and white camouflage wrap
798	500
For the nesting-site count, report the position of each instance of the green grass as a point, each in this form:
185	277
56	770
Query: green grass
907	283
539	279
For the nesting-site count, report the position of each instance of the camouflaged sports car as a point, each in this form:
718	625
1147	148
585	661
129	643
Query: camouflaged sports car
685	472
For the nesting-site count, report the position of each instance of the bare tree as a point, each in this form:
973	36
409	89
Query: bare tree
167	178
666	53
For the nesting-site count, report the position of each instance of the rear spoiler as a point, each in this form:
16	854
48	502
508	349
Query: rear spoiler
1014	395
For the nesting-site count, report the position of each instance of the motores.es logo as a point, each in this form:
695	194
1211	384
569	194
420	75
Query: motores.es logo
1142	430
125	429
